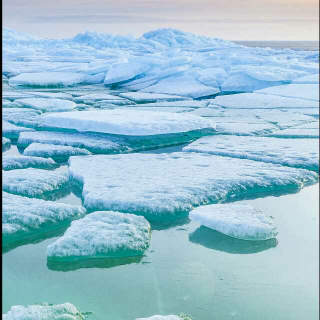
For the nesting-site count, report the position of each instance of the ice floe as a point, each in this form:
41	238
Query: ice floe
126	122
22	117
102	234
162	186
299	153
23	217
44	311
309	79
239	221
34	183
12	131
143	97
45	104
308	130
6	144
23	162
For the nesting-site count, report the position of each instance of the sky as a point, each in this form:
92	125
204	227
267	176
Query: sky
226	19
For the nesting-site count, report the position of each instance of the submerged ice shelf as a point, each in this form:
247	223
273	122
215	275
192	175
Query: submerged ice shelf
102	234
235	220
161	186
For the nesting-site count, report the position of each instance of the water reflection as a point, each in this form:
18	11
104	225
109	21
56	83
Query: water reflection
12	242
66	266
215	240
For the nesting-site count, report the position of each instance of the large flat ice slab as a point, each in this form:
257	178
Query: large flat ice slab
239	221
258	101
45	311
305	131
45	104
12	131
23	162
53	151
299	153
310	79
23	217
102	234
47	79
300	91
161	186
143	97
22	117
34	183
126	122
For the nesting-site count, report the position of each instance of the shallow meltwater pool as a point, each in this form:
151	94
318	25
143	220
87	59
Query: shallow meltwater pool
188	269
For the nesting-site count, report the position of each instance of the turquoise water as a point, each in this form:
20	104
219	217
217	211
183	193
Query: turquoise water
188	268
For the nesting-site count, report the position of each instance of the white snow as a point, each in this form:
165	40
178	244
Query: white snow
236	220
22	216
45	311
162	185
102	234
22	162
54	151
298	153
127	122
34	183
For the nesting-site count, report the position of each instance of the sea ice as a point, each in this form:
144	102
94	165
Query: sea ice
239	221
143	97
22	162
23	217
12	131
158	317
161	186
299	153
305	131
22	117
127	122
47	79
102	234
45	311
258	101
310	79
300	91
183	86
45	104
179	104
244	128
6	144
34	183
53	151
124	71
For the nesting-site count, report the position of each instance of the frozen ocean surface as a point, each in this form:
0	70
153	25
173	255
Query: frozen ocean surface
249	117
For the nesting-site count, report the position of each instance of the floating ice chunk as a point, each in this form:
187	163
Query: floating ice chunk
53	95
308	130
235	220
178	104
102	234
143	97
23	162
6	144
125	71
44	311
182	86
22	117
301	91
244	83
12	131
34	183
44	104
297	153
310	79
269	73
258	101
24	217
127	122
95	97
47	79
53	151
12	95
189	179
244	128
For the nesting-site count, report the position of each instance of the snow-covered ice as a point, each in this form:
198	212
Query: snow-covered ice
34	183
305	131
44	311
300	91
6	144
309	79
22	162
143	97
45	104
22	216
241	221
22	117
12	131
47	79
102	234
126	122
160	186
53	151
299	153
